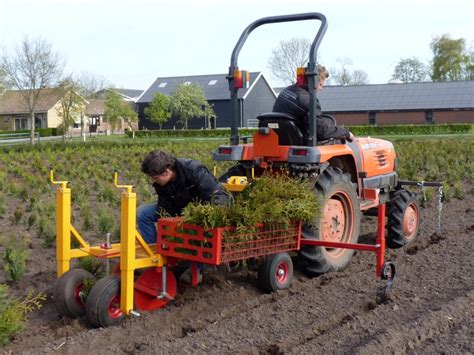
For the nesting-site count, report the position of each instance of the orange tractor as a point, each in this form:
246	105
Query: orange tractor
352	178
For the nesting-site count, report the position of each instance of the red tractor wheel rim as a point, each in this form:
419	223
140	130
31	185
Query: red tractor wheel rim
282	272
114	307
79	295
410	222
337	222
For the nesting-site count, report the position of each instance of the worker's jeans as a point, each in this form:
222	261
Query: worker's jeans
147	216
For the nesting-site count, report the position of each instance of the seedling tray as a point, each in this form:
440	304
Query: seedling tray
219	245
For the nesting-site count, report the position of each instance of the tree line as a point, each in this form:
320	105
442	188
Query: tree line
33	66
451	60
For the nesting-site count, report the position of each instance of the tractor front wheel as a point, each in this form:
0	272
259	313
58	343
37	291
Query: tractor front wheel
103	303
275	273
70	292
403	213
339	221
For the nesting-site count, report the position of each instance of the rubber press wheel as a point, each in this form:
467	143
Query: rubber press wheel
103	303
70	292
339	221
403	214
275	273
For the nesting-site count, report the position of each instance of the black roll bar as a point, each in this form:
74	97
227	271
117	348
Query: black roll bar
312	71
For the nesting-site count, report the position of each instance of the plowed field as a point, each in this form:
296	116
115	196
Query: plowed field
431	311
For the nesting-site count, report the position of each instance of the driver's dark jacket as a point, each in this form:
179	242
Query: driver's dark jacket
294	100
193	182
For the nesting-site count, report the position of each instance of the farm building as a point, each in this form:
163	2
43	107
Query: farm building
14	113
254	100
389	104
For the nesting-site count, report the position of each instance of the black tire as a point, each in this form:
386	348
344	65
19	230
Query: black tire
68	294
103	303
403	215
335	189
275	273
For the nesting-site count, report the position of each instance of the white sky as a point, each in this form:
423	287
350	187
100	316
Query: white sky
132	42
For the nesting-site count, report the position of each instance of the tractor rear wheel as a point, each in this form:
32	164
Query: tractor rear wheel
339	221
403	212
70	290
103	303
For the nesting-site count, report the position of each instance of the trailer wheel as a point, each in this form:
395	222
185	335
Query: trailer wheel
103	303
69	292
403	212
339	221
275	273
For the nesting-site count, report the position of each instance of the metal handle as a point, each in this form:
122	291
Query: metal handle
312	68
126	187
51	178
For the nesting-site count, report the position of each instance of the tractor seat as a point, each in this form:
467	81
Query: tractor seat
284	126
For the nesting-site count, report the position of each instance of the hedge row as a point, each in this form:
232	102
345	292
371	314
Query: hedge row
43	132
357	130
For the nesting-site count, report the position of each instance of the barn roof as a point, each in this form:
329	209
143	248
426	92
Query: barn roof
215	86
395	97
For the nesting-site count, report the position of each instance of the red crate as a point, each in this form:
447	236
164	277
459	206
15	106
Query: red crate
223	244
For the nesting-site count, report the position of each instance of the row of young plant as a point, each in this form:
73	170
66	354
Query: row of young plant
363	130
24	176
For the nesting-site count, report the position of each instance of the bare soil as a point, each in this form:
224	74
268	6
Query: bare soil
431	308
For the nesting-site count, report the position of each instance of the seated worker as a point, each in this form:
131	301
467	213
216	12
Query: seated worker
294	100
177	182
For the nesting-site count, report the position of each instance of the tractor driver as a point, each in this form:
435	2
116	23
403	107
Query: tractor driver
177	182
294	100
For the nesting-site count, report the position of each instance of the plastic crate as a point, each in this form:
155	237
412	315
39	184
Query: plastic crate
218	245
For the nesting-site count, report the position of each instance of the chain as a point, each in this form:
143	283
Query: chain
440	207
422	185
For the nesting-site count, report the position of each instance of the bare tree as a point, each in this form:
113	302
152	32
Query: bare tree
90	84
345	76
33	67
288	56
2	80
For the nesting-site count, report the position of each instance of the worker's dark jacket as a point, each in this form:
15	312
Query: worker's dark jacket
193	182
294	100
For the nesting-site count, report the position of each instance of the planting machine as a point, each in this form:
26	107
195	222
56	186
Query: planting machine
351	178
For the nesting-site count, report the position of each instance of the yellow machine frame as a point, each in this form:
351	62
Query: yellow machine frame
133	251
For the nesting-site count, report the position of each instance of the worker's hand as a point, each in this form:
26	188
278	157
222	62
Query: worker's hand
351	137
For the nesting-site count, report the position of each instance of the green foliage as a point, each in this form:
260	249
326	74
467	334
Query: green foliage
271	199
411	129
116	108
188	101
364	130
450	161
13	312
451	60
159	109
47	231
92	264
3	207
15	256
43	132
71	105
18	215
106	221
410	70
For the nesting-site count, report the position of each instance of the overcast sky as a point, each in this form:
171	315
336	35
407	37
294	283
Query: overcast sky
131	43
